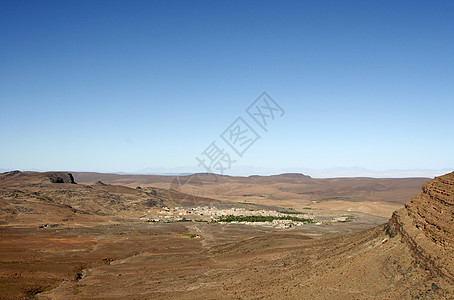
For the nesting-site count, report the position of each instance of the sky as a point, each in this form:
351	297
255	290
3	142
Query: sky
148	86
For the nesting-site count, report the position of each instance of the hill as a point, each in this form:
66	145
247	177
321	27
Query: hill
34	198
375	196
410	257
61	239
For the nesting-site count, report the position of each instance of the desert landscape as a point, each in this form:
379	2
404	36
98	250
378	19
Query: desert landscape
226	150
64	239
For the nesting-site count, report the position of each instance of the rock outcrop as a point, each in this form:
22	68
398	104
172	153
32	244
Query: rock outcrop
426	225
20	178
60	177
10	175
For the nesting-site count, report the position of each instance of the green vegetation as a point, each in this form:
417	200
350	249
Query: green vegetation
184	220
174	221
250	203
289	212
261	219
107	261
191	236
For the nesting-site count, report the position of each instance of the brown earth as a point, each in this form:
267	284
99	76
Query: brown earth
426	225
409	257
53	197
375	196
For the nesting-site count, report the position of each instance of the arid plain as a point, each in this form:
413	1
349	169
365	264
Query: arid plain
109	236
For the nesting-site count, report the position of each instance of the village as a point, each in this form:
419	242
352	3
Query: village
266	218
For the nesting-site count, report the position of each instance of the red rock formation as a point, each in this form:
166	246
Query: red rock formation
426	224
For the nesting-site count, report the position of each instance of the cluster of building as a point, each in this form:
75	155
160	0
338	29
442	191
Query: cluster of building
207	214
281	224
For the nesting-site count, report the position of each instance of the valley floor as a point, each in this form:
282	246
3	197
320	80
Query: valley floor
194	260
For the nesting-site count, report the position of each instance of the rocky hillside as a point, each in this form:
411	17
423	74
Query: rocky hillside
21	178
409	257
34	198
426	225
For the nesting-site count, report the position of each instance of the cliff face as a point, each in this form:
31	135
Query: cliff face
60	177
426	225
21	178
409	257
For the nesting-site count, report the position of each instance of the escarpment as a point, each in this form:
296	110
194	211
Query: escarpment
426	225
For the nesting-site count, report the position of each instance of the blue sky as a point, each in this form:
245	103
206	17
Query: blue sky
129	85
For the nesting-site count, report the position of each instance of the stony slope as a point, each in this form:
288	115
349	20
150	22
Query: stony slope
426	225
54	197
375	196
409	257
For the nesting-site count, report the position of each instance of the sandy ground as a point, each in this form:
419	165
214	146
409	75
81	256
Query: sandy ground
34	259
204	261
375	196
97	248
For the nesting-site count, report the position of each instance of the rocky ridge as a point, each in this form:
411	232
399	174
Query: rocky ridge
426	225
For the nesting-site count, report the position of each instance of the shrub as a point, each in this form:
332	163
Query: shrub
261	219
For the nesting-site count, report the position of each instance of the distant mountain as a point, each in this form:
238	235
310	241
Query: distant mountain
364	172
284	175
246	171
